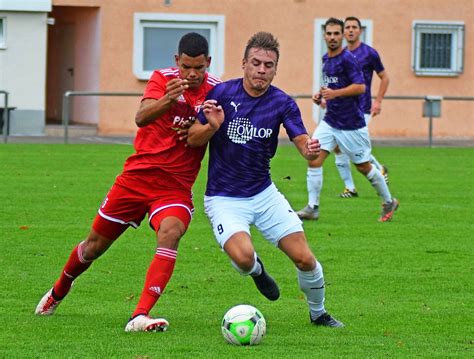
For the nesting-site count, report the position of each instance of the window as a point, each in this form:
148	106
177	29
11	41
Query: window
157	36
2	32
438	48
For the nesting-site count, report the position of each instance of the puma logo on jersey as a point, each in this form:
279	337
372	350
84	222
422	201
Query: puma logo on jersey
234	105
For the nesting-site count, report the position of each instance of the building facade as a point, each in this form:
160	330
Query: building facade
113	45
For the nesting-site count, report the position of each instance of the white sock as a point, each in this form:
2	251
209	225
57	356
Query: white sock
343	165
314	182
378	182
254	271
376	163
312	285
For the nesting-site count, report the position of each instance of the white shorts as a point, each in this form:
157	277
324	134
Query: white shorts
355	143
268	210
368	118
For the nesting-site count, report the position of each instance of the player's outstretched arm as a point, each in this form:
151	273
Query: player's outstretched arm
199	134
308	147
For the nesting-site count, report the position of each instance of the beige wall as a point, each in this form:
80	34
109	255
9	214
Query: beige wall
85	59
292	21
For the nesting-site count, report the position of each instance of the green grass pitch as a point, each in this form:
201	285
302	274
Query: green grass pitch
403	289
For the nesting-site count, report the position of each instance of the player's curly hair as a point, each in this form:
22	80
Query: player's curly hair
263	40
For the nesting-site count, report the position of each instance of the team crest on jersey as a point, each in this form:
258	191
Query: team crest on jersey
241	131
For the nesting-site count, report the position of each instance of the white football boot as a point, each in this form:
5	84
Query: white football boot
47	305
143	323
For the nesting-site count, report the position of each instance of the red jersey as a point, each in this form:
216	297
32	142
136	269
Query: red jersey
158	150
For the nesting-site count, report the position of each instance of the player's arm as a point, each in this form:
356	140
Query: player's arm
150	109
199	134
377	104
351	90
308	147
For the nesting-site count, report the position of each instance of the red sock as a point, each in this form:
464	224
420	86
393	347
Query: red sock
157	277
75	265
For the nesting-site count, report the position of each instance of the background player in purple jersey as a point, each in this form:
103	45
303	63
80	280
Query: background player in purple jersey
343	124
241	120
369	61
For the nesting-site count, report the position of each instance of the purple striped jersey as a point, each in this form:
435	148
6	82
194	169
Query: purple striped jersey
369	61
241	150
343	113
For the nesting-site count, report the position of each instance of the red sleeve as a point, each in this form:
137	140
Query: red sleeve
156	86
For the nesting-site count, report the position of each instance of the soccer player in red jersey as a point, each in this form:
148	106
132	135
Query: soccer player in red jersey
156	179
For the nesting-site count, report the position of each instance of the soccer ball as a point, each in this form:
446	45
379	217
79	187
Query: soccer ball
243	325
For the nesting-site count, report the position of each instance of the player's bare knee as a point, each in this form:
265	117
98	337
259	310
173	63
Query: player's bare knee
305	262
244	261
318	162
315	163
169	237
364	168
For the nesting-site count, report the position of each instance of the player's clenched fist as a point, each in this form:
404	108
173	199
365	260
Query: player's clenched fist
175	88
214	113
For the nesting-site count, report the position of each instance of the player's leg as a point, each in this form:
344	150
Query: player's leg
343	165
376	163
170	225
381	168
373	160
357	145
114	216
377	180
314	176
230	219
169	217
79	261
280	225
244	259
310	277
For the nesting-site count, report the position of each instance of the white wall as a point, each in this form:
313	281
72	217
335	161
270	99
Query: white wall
23	61
25	5
23	65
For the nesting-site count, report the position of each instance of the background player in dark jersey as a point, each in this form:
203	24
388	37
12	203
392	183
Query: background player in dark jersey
343	124
370	62
241	121
156	179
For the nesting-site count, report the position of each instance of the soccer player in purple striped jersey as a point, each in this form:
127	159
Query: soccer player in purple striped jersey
344	124
370	62
241	120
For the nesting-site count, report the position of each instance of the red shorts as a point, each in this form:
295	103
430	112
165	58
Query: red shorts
132	197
